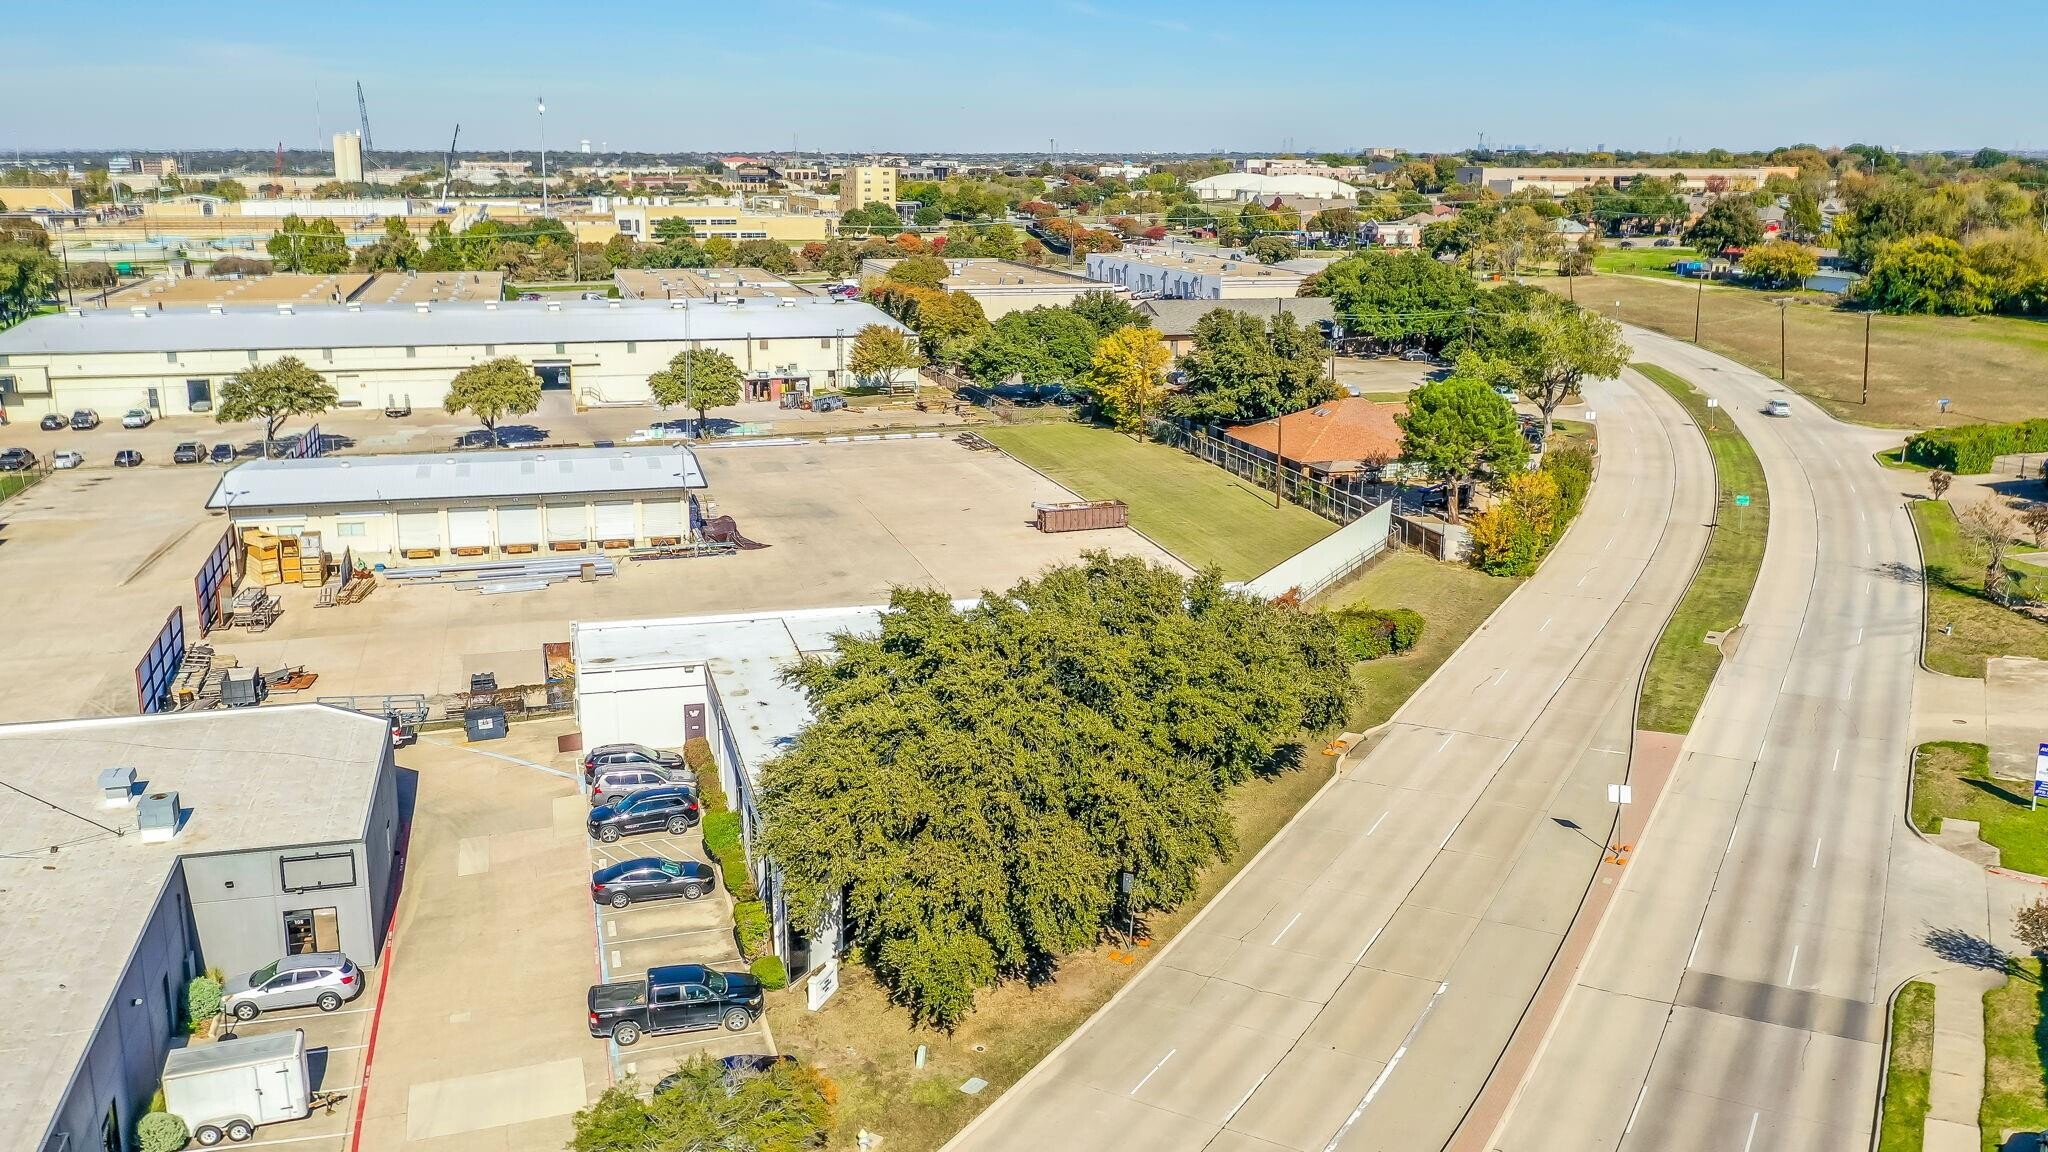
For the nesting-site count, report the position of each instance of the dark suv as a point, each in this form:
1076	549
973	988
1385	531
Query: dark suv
632	756
16	460
672	809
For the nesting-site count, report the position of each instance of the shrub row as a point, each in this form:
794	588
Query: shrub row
750	928
1969	449
724	842
710	792
771	972
1370	633
161	1132
1531	512
202	1001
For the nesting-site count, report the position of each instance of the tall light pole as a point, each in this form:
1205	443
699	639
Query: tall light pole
1866	358
541	110
1783	302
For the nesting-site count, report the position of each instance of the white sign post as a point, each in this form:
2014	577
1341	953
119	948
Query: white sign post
1623	794
823	984
2040	773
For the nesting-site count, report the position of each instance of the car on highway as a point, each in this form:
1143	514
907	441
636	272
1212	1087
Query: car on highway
673	998
190	452
650	878
222	454
54	422
323	980
672	809
1777	408
127	458
16	459
67	459
137	418
84	419
632	756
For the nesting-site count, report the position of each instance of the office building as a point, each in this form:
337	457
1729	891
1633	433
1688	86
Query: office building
865	184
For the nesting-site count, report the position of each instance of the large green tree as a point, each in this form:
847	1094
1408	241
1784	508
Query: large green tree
1555	348
1925	273
1397	298
1729	222
1107	311
273	393
881	353
1459	429
976	778
705	1108
924	271
1040	345
1244	368
308	246
493	390
699	379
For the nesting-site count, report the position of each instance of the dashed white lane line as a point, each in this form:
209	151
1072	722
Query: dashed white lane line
1753	1118
1287	928
1837	766
1368	945
1376	824
1393	1062
1816	853
1792	967
1155	1069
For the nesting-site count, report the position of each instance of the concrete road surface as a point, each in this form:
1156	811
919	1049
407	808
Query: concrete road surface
1736	996
1353	988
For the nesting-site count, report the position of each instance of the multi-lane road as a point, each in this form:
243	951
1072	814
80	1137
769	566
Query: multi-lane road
1357	987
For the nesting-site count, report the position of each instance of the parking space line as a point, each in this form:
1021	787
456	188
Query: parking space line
663	936
294	1140
338	1048
313	1014
505	758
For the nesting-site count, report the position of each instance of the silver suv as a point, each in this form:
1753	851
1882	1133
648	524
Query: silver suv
610	784
326	980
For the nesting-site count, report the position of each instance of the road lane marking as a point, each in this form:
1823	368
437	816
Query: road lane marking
294	1140
1247	1097
1859	636
1640	1093
1753	1118
1696	934
1816	853
1838	761
1368	945
1284	931
1497	679
611	927
1376	824
1392	1063
1546	625
1589	572
1155	1068
1447	739
333	1048
665	936
1792	967
615	958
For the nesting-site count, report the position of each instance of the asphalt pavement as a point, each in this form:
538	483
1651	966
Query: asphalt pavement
1354	987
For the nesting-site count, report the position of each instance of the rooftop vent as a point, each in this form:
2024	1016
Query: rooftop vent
284	309
138	311
156	816
612	304
491	307
422	308
117	787
354	307
215	310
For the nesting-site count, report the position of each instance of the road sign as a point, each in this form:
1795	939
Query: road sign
1713	403
1623	794
2040	773
1742	500
824	984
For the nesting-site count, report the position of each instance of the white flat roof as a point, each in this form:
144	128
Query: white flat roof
251	778
387	326
442	476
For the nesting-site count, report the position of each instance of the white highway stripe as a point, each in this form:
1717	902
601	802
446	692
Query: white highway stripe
1289	927
1393	1062
1155	1069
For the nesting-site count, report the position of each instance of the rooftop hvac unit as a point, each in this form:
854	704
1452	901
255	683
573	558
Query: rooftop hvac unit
117	786
156	816
284	309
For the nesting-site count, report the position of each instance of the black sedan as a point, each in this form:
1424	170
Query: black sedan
650	878
16	460
52	422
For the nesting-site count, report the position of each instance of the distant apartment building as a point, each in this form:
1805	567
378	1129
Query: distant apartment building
1125	171
1563	181
160	166
639	222
348	157
1006	286
1186	275
1291	167
866	184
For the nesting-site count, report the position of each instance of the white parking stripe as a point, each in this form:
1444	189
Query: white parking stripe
665	936
338	1048
294	1140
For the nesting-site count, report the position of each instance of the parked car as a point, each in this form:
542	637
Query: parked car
54	422
127	458
84	418
631	756
672	809
529	295
828	403
67	459
222	454
1417	355
593	296
733	1069
1667	242
190	452
674	998
137	418
650	878
622	780
325	980
16	459
1777	408
1506	393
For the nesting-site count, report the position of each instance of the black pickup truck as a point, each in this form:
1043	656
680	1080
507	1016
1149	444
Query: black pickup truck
674	998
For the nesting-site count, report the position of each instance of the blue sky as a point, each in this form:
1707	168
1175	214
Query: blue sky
1096	75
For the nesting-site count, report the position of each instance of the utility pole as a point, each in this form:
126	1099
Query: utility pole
1698	299
541	110
1866	359
1783	303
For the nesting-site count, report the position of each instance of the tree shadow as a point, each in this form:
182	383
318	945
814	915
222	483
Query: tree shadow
517	435
1959	947
1991	788
1898	573
1284	759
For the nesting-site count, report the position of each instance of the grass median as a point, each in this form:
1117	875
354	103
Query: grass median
1952	779
1191	508
1964	627
1683	665
1910	1071
2015	1032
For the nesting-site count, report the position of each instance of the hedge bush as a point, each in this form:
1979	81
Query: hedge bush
770	971
1572	468
161	1132
724	842
1969	449
202	1001
750	928
1370	633
697	755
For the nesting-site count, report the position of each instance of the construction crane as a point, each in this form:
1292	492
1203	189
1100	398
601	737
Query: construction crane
363	111
448	163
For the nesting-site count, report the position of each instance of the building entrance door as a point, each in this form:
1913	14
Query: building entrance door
311	930
553	377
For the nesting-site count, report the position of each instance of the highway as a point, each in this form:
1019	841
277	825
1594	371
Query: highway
1735	997
1354	987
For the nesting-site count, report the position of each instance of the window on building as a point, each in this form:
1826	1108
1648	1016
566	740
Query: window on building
170	357
252	356
558	350
490	350
632	346
3	361
351	528
763	344
6	385
825	343
411	352
327	353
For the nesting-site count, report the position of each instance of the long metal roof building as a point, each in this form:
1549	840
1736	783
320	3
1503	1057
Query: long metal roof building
439	476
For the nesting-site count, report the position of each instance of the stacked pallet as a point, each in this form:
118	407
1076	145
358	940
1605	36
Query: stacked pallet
264	557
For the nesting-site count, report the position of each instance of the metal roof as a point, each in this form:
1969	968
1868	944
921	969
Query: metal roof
245	1051
481	475
512	322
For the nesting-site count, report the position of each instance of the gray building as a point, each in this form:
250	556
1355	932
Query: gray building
244	836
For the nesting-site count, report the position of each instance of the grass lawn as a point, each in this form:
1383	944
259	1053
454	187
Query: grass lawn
2014	1033
1896	458
12	482
1683	665
867	1046
1191	508
1990	366
1963	628
1910	1070
1953	778
1643	261
1573	434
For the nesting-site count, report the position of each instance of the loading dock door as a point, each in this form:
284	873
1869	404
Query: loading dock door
567	523
615	520
469	528
519	524
419	530
663	519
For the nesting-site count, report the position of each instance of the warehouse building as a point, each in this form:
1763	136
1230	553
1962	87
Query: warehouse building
309	289
601	352
717	284
143	850
1185	274
1005	286
433	507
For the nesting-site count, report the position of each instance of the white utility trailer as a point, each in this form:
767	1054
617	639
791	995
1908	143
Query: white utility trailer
225	1090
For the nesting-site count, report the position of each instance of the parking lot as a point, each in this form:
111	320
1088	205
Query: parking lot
337	1044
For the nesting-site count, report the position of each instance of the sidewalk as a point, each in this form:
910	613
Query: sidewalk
1956	1087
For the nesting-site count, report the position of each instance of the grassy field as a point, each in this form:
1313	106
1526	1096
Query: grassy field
1193	509
1952	778
1643	261
1453	599
1990	366
1682	667
1909	1071
12	482
2014	1033
1964	628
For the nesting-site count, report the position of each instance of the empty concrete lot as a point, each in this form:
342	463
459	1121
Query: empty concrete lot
843	523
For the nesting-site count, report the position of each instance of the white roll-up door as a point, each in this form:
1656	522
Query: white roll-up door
662	518
419	530
469	527
568	522
519	524
615	520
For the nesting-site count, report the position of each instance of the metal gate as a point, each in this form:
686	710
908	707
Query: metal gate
215	581
160	664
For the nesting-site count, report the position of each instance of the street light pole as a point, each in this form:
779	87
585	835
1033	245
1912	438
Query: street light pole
1866	359
541	110
1783	304
1699	298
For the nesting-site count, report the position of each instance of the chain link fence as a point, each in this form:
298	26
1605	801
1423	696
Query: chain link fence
1341	499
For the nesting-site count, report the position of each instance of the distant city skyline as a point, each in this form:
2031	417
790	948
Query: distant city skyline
852	77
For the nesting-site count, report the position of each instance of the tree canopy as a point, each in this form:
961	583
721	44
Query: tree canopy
273	393
976	778
1041	345
698	379
880	352
1925	274
922	271
1557	347
1459	429
785	1108
1729	222
1779	264
1244	368
1128	376
493	390
308	246
1107	311
1396	298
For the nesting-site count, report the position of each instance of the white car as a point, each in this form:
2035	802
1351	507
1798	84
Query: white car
67	459
1777	408
137	418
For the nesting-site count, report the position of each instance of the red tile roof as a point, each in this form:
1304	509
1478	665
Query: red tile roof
1336	436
